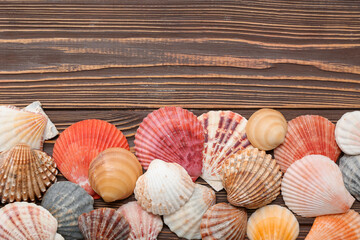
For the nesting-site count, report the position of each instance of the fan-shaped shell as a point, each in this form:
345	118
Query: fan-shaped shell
307	135
27	221
66	201
272	222
25	174
313	186
185	222
171	134
224	136
344	226
251	178
347	133
350	169
164	188
266	129
104	223
223	222
80	143
144	225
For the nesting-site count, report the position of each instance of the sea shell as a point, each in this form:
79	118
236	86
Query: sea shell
144	225
80	143
313	186
113	174
185	222
347	133
171	134
266	129
350	169
25	174
164	188
104	223
223	222
307	135
251	178
224	136
272	222
66	201
27	221
344	226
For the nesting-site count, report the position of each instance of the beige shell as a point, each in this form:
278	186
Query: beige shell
266	129
251	179
347	133
25	174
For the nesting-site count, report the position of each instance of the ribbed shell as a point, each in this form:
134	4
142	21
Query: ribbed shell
104	223
272	222
25	174
185	222
350	169
307	135
344	226
66	201
347	133
224	136
223	222
251	178
144	225
313	186
164	188
171	134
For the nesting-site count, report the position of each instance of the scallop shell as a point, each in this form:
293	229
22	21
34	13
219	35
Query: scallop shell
350	169
224	136
266	129
185	222
344	226
66	201
27	221
251	178
164	188
171	134
104	223
307	135
313	186
272	222
144	225
25	174
113	174
223	222
347	133
80	143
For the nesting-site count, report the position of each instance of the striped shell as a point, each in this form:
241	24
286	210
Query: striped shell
350	169
347	133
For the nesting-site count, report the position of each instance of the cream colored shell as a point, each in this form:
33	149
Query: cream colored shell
347	133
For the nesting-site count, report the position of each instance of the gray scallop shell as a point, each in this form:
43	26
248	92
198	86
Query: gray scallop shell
66	201
350	168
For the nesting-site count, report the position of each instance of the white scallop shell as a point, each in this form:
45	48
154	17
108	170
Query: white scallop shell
164	188
350	169
185	222
347	133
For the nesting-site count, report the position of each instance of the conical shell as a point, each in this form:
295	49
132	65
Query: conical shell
344	226
164	188
66	201
266	129
171	134
307	135
185	222
27	221
104	223
144	225
80	143
251	178
224	136
347	133
350	169
272	222
25	174
313	186
223	222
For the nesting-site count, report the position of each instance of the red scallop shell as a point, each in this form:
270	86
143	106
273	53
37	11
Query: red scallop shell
171	134
80	143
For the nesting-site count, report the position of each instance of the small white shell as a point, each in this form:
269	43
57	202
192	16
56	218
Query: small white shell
347	133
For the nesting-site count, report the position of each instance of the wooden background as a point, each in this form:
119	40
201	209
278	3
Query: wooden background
119	60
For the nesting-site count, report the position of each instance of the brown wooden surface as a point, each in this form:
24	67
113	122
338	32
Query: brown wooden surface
118	62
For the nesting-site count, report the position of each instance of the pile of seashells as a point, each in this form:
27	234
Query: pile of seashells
175	147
